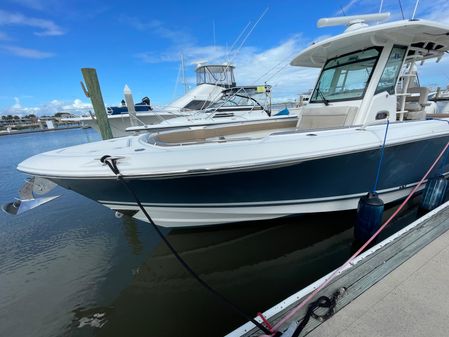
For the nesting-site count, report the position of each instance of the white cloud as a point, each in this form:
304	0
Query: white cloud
18	109
45	27
436	10
27	52
158	28
76	106
253	66
17	105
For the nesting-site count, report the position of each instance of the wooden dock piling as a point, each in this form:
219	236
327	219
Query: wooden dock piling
94	93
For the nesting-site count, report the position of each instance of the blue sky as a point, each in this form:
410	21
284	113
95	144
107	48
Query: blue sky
44	43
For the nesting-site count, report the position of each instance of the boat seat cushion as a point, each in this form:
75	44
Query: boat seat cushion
328	117
418	100
415	104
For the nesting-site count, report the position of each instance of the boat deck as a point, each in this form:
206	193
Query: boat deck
223	133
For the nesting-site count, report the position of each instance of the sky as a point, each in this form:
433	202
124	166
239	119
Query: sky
45	43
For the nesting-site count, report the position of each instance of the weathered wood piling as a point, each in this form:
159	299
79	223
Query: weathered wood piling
94	93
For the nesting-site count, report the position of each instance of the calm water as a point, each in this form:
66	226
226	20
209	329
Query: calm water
70	268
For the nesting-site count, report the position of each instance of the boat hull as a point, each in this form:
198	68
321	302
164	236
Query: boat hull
332	183
119	123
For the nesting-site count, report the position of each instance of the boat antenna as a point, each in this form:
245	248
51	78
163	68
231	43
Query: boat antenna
213	31
249	32
285	62
381	5
402	12
342	10
183	73
236	40
414	11
175	89
230	55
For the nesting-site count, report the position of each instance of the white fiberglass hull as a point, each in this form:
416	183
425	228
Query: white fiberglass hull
169	216
119	123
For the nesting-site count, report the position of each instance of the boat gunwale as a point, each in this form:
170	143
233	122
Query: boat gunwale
239	168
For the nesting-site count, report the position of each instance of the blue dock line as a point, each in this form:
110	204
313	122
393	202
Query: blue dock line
382	150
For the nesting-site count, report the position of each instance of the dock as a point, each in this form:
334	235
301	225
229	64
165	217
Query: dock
19	132
410	301
399	287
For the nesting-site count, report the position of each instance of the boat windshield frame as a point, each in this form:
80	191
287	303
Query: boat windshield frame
258	97
319	92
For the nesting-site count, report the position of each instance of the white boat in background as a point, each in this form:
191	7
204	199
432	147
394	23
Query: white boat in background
212	80
236	105
323	162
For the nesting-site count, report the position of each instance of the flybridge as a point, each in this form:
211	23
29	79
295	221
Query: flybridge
215	74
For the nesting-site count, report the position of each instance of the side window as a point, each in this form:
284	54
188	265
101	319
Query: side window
197	105
391	72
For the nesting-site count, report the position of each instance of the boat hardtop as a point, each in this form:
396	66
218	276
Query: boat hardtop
429	37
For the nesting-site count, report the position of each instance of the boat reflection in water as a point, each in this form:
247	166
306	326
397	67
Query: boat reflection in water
254	265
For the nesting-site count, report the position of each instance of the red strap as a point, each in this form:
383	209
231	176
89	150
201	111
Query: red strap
265	321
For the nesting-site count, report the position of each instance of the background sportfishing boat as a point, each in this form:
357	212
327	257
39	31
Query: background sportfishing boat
323	162
211	81
237	104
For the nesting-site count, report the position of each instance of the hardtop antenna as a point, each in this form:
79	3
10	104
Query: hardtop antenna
402	11
414	11
347	20
213	32
352	21
183	73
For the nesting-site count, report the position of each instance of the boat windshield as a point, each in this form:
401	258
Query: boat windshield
244	96
346	77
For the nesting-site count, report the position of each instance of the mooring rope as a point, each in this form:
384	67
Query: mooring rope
111	162
293	311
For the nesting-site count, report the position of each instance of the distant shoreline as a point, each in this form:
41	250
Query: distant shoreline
6	133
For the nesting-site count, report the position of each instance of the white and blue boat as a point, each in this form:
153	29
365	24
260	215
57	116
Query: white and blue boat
323	162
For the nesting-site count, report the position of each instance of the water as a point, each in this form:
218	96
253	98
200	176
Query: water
70	268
